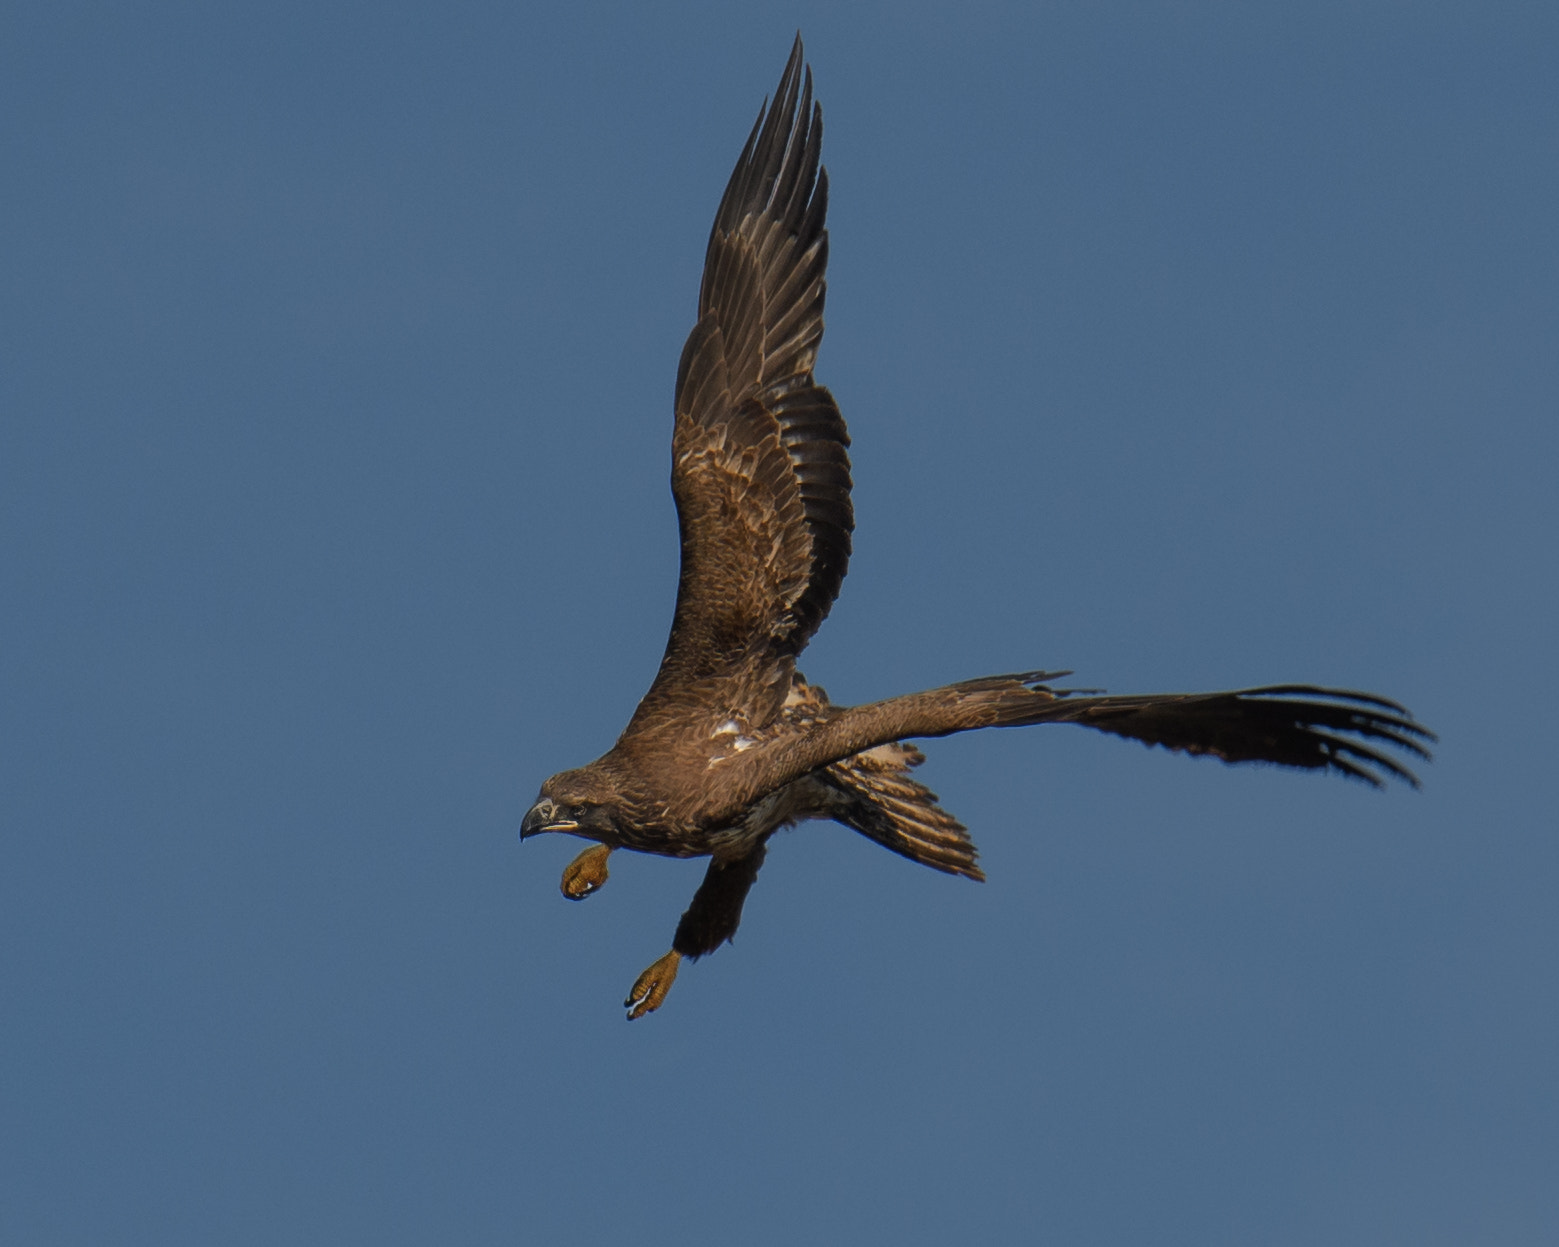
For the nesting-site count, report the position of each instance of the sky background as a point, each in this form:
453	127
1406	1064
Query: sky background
1186	345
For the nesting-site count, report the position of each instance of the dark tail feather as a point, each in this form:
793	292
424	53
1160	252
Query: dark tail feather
1297	725
884	804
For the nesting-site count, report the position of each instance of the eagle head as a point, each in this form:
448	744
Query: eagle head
569	802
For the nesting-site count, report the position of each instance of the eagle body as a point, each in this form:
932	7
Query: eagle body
731	743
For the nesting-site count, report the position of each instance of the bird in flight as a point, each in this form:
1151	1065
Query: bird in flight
731	743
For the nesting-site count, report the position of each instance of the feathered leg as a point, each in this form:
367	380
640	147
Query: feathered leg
710	921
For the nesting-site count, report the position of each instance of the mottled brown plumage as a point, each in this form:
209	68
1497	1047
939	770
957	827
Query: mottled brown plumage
731	743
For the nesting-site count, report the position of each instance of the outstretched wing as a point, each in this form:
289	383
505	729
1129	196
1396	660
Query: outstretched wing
760	472
1298	725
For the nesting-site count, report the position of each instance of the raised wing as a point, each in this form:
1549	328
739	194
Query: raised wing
760	471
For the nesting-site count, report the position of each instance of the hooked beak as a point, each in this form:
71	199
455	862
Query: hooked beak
543	816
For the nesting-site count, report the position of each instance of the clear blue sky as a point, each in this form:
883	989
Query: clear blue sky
1189	346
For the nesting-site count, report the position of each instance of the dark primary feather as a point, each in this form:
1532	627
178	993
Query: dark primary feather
1294	725
1287	724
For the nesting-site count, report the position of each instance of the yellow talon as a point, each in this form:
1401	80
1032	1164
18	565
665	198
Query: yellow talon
650	988
586	873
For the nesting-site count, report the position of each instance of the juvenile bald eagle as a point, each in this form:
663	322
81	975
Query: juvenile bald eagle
731	743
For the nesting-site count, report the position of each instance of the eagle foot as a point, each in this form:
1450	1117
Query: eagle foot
586	873
650	988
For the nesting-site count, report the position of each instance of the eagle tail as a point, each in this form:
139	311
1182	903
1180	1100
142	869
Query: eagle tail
884	804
